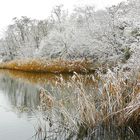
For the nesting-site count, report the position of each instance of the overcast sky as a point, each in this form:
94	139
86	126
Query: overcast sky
40	9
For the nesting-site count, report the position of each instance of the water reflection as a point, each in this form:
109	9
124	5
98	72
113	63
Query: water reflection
20	103
19	93
34	78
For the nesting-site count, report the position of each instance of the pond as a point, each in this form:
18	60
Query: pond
17	98
19	102
21	116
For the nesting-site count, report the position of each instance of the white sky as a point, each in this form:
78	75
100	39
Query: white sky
40	9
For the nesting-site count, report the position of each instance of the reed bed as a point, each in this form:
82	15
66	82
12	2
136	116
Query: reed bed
113	100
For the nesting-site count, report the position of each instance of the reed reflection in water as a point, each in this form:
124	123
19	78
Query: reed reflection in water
21	94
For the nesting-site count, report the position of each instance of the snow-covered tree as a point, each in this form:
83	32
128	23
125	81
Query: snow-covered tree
106	35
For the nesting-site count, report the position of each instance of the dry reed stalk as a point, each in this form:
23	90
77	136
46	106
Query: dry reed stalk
46	100
114	100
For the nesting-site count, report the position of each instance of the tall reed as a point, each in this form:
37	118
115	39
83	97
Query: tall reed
111	100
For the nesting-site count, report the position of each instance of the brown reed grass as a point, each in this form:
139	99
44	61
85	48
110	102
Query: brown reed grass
114	100
53	66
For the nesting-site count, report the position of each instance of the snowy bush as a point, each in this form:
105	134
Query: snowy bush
104	35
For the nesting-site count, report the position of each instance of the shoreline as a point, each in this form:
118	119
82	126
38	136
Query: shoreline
50	66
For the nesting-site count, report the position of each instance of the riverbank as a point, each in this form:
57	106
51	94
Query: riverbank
52	66
73	106
85	103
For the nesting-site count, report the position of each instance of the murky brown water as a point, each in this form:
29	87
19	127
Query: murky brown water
20	116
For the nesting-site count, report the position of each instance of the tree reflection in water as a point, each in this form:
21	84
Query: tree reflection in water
23	95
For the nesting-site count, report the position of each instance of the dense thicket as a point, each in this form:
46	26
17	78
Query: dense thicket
112	34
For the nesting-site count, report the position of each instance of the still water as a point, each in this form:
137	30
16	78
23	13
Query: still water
20	116
19	101
21	119
16	99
